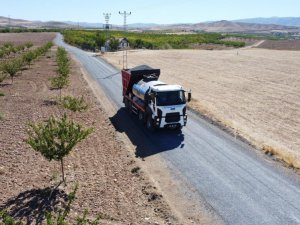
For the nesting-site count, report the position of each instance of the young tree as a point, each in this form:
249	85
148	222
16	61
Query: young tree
12	67
114	44
28	57
56	138
59	82
99	40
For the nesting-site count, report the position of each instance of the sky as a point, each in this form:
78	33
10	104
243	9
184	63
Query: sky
150	11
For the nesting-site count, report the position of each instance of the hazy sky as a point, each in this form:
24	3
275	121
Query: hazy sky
151	11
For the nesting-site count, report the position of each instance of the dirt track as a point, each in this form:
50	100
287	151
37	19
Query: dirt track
110	182
253	91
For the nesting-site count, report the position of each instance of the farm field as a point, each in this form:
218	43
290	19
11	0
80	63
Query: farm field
35	38
253	92
291	45
110	182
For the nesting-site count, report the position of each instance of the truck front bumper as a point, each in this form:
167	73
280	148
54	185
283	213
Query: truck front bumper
161	122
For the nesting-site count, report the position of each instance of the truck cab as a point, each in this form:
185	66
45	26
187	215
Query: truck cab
168	106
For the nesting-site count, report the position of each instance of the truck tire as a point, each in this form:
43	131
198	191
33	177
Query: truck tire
130	107
126	102
179	128
141	116
150	124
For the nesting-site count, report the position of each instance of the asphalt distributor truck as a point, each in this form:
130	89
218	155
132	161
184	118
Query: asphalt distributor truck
157	104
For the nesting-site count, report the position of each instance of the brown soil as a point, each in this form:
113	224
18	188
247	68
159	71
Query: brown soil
36	38
292	45
254	92
110	181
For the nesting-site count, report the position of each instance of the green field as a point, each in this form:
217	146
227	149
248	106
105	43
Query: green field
95	39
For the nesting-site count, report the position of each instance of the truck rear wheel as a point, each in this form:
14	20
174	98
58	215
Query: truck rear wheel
130	107
126	102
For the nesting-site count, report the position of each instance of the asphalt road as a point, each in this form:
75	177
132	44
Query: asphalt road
242	187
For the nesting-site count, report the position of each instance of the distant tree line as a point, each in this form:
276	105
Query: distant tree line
92	40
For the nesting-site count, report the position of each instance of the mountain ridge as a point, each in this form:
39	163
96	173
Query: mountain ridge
243	25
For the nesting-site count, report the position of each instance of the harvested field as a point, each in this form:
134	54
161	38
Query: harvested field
292	45
254	92
19	38
110	181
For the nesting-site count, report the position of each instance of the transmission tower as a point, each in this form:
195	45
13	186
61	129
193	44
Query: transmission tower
107	17
125	15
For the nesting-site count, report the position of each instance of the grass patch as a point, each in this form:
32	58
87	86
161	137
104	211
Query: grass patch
2	94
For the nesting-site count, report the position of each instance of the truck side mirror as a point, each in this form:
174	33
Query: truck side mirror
189	96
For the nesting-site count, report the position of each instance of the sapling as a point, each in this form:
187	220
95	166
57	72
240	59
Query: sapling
56	138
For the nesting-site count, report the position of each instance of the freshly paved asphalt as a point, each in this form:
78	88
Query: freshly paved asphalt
242	187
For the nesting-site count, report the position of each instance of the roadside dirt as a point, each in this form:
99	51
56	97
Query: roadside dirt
110	181
252	92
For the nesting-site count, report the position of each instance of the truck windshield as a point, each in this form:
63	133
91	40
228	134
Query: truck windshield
170	98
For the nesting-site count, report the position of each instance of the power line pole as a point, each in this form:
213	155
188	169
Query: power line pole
107	17
125	15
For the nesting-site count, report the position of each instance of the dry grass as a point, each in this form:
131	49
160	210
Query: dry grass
254	92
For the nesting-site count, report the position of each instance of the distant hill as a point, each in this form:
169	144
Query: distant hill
101	25
5	21
285	21
258	25
85	24
230	26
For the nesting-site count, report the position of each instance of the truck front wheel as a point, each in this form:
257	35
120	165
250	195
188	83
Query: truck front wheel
141	116
150	123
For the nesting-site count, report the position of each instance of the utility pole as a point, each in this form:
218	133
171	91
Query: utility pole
107	17
125	15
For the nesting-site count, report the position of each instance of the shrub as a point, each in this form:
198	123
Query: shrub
74	104
28	45
2	76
